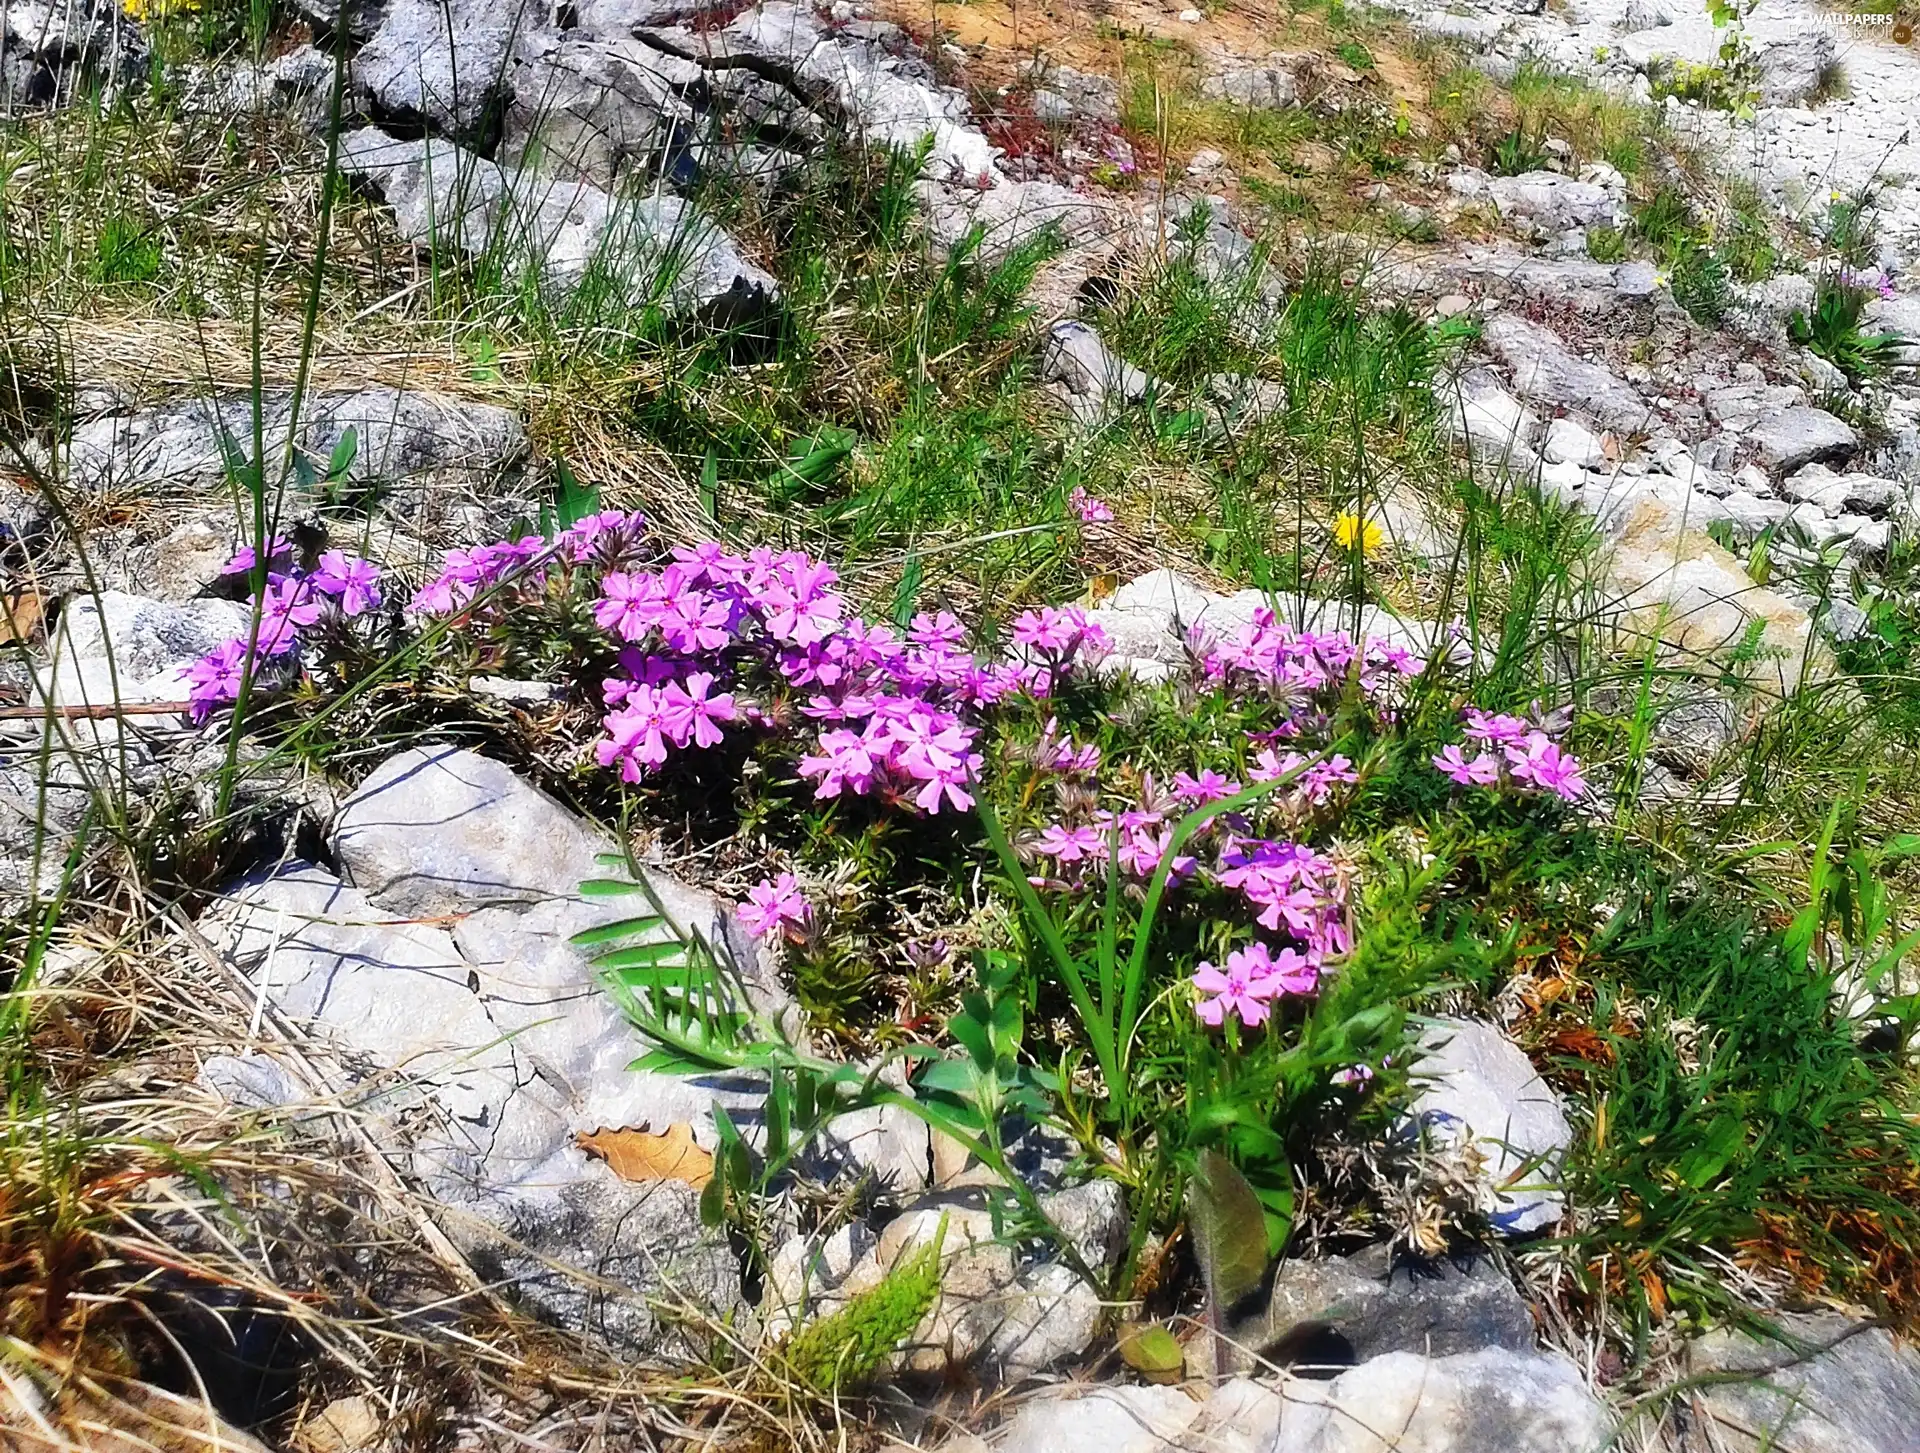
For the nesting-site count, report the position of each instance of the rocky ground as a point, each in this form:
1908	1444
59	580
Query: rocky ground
383	967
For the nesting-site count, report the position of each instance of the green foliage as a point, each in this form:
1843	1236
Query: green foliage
1354	54
846	1348
1517	152
1739	1106
1606	244
1701	283
1665	219
124	252
1833	331
1849	227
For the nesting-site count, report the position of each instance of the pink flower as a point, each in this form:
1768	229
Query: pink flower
1071	845
775	905
214	679
285	609
279	556
628	604
800	606
689	619
1059	632
636	734
1481	771
1250	981
355	581
1495	729
689	714
1209	786
1355	1076
1092	511
846	760
1142	850
1540	762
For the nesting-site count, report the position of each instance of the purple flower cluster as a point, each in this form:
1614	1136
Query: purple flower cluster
1511	751
712	642
1870	279
1265	655
1091	509
499	576
1296	890
338	587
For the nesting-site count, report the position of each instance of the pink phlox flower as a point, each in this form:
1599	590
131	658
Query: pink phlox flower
1540	761
637	734
1142	850
1246	987
628	604
688	618
1479	771
1495	729
846	761
689	713
1059	633
1297	973
941	632
583	538
1091	509
775	905
799	601
932	747
1354	1076
1071	844
1319	780
356	582
1056	751
214	679
1208	786
1045	629
1397	659
279	556
711	562
287	607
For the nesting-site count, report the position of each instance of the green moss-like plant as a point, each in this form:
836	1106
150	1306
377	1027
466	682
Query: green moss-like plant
847	1347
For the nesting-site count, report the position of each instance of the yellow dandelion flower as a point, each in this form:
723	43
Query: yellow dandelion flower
1349	529
145	10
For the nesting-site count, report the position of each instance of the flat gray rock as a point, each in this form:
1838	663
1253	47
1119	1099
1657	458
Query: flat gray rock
417	450
487	1051
654	249
592	107
443	62
1783	440
1493	1401
1097	382
1834	1387
1545	372
1344	1310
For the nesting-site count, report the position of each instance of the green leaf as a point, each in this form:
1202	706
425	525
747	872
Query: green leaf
949	1077
1152	1352
644	955
1229	1230
710	485
907	593
608	888
623	928
341	460
572	500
